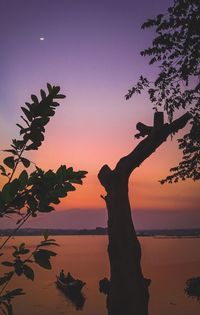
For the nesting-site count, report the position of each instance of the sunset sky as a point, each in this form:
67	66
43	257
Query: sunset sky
91	49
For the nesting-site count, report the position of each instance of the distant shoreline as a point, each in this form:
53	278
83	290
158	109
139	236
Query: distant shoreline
160	234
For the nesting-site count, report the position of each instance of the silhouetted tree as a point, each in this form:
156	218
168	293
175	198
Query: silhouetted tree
128	291
176	49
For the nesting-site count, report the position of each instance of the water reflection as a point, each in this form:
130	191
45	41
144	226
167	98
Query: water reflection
104	287
71	287
77	300
193	288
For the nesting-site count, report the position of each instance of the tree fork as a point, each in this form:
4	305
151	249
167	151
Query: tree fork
128	289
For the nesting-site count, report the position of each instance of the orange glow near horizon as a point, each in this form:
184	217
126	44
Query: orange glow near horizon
89	149
144	189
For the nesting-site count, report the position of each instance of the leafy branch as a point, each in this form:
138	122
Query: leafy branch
21	266
27	194
175	50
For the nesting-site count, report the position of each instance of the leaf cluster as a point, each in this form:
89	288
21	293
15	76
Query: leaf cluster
175	50
38	191
36	116
22	259
31	192
20	265
137	89
5	300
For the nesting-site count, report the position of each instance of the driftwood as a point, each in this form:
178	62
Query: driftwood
128	289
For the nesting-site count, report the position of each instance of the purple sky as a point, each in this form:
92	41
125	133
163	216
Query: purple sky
91	49
88	45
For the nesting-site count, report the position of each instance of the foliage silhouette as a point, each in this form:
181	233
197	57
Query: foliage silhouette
27	194
176	51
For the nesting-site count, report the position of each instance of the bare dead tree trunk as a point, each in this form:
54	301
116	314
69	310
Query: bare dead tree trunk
128	292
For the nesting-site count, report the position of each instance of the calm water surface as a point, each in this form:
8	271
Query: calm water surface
168	262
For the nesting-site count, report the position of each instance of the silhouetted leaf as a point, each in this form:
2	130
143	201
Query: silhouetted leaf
11	294
25	162
28	272
18	269
14	186
9	161
22	246
59	96
42	260
43	94
56	89
62	173
55	104
44	263
36	136
34	98
23	180
69	187
49	87
27	113
47	253
6	196
24	251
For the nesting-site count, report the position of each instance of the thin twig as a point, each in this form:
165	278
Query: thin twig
14	231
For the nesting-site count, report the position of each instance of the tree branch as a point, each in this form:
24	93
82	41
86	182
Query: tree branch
146	147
